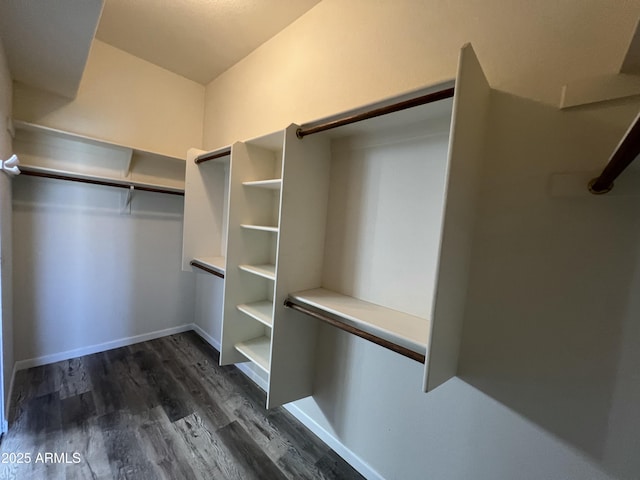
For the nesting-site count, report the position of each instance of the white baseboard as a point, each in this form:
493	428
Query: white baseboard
100	347
5	417
251	373
206	337
351	458
243	367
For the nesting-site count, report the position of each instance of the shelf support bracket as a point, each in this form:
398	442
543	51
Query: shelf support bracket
127	202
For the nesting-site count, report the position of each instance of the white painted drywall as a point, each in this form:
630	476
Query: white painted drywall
342	55
125	100
209	291
87	274
549	387
6	340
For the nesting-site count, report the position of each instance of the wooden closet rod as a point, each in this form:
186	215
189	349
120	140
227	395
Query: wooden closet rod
206	268
376	112
625	153
205	157
418	357
25	170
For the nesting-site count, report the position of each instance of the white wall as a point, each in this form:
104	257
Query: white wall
87	274
5	231
208	306
548	387
125	100
342	55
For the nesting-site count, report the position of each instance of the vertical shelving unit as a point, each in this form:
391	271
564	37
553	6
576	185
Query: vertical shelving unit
278	200
255	188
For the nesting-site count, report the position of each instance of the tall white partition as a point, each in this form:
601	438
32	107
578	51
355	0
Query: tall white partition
254	210
300	254
466	149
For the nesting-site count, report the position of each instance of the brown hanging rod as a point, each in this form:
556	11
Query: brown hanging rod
376	112
25	170
205	157
418	357
626	152
206	268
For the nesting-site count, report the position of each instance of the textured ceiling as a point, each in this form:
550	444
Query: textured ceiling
198	39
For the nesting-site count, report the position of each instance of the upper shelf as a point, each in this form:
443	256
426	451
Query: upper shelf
20	125
51	151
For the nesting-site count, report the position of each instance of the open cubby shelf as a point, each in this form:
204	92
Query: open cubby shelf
266	271
261	311
256	350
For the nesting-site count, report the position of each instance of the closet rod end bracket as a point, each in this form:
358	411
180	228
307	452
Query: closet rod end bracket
599	191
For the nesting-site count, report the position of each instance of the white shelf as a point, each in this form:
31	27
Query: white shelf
215	263
263	228
273	184
76	137
397	327
257	350
266	271
63	174
260	311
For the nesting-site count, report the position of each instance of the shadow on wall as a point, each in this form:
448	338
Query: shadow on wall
552	323
36	103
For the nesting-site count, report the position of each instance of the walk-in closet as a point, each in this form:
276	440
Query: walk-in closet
319	239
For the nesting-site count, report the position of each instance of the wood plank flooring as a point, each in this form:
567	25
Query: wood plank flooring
161	409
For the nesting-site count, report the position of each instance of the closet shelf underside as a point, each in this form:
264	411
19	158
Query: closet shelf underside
408	331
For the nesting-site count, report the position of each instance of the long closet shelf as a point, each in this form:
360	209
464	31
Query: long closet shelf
32	127
390	327
261	311
273	184
257	350
213	265
95	180
266	270
263	228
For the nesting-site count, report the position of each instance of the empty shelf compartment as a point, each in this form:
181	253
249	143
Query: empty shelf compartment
266	270
261	311
257	350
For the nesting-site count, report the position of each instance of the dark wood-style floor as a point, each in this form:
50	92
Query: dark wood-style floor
159	409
